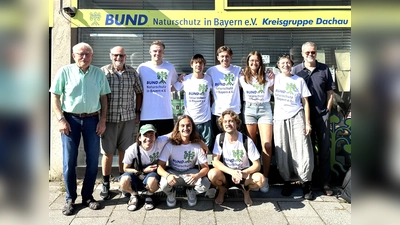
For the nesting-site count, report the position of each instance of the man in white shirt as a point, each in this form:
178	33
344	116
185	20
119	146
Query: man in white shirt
182	153
240	165
156	77
197	87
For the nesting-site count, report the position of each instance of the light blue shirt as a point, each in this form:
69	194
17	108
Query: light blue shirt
80	91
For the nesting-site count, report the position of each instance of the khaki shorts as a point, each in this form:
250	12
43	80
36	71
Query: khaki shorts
118	136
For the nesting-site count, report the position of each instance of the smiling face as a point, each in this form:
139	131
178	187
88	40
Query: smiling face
309	53
185	128
118	57
156	53
197	66
254	63
229	124
83	56
285	65
147	139
225	59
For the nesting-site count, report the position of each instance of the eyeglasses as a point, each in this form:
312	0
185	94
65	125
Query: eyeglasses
120	55
83	54
312	52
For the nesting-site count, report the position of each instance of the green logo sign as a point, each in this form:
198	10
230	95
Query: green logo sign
229	78
188	156
290	87
162	77
259	87
154	157
95	17
238	155
203	88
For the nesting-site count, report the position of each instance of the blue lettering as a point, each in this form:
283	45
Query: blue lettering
152	82
332	21
137	19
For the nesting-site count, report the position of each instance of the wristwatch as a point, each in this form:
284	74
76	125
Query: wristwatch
60	118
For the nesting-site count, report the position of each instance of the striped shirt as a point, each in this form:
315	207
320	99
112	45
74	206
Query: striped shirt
122	100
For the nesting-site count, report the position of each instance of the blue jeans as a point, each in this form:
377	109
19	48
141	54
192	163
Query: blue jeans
70	143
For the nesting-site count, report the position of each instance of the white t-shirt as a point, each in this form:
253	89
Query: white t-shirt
148	157
288	92
156	81
225	88
254	92
197	97
183	157
234	154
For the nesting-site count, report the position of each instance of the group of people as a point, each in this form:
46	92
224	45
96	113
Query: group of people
105	104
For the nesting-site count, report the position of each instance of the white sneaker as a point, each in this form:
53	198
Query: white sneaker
265	189
171	200
211	193
191	195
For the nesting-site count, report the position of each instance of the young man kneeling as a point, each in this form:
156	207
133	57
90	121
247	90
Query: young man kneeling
231	160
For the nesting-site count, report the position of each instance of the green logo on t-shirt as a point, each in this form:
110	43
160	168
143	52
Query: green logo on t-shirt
154	157
203	88
162	76
229	77
238	154
259	87
188	156
290	87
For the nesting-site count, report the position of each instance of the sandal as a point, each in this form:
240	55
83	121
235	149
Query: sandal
132	203
91	203
148	203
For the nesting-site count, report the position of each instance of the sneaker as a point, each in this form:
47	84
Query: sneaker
265	188
287	189
148	203
68	208
132	203
124	194
171	200
307	190
211	193
191	195
105	191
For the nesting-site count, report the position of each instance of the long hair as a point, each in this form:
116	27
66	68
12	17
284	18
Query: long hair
234	116
260	73
176	138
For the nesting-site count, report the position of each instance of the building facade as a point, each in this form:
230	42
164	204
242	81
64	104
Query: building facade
188	27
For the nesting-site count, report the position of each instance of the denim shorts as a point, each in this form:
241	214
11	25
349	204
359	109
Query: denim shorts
136	183
257	113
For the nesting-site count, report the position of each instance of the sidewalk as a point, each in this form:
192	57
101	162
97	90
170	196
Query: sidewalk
267	208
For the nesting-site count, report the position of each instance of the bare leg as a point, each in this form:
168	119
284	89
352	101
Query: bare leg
266	143
221	194
121	155
247	199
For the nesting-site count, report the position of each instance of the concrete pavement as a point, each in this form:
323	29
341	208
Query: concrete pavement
267	208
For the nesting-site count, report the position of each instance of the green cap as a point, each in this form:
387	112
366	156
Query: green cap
146	128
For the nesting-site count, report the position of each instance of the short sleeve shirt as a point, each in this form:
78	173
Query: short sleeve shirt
80	91
183	157
234	154
122	99
148	157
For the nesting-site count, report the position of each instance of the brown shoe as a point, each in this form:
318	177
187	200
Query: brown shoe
328	190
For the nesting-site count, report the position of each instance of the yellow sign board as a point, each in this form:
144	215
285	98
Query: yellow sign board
212	19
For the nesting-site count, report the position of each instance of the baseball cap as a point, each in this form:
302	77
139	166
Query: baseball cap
146	128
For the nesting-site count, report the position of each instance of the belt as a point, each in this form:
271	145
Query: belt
83	114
